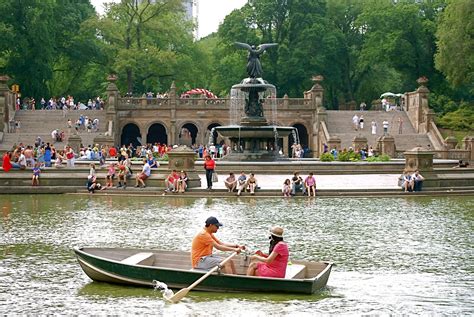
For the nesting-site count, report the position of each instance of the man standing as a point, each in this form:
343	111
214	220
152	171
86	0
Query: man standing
203	244
355	122
400	125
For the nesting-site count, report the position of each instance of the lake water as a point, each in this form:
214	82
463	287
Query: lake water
393	255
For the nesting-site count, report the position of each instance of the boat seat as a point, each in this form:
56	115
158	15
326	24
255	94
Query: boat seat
142	258
295	271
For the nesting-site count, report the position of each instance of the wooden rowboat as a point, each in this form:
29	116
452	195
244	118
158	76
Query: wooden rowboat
140	267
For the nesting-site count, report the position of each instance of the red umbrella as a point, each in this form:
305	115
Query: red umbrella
199	91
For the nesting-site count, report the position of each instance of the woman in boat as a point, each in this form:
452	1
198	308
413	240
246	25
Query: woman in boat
273	265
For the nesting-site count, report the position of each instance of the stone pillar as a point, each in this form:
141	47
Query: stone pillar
104	140
359	142
352	105
286	103
75	141
3	105
285	146
172	99
469	145
316	95
421	159
317	92
111	109
182	158
386	145
450	143
112	95
334	142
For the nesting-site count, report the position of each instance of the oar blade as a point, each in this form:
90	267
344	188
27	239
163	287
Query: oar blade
178	296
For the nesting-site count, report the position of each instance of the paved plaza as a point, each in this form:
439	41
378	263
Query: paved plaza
343	182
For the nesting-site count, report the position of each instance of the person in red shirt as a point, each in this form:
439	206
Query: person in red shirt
6	163
209	165
274	264
112	152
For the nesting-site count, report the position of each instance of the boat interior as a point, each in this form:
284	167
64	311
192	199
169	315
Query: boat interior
179	260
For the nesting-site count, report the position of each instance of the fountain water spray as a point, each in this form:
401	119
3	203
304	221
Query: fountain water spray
163	288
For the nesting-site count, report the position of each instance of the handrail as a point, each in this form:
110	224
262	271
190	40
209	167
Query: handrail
325	130
436	136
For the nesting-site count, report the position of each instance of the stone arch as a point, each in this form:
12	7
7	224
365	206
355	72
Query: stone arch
214	138
157	133
188	133
302	135
131	134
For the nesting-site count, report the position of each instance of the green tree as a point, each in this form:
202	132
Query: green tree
455	33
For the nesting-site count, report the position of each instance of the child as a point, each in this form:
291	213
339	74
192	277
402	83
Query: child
310	183
182	182
122	176
286	188
110	175
36	174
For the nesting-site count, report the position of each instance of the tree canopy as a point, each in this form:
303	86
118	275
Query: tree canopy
361	47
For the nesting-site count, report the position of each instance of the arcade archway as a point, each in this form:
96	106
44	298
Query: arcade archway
131	134
187	134
214	136
157	134
301	135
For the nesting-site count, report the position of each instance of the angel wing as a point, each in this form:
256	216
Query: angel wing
243	45
262	47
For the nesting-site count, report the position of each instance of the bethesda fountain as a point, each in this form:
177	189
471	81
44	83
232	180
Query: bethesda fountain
254	137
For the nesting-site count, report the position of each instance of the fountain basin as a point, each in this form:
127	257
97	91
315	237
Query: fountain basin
253	132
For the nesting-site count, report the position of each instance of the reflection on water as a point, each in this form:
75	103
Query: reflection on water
393	255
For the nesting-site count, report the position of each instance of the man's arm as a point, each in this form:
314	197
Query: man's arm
227	247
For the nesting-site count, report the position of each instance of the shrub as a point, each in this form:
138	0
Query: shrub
344	156
326	157
384	158
354	156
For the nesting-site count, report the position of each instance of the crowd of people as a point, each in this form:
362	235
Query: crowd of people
62	103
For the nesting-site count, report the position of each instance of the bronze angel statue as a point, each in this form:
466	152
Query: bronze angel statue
254	67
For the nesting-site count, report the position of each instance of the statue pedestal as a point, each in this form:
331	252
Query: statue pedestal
421	159
182	159
75	142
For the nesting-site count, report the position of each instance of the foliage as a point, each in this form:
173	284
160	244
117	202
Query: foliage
455	33
326	157
380	158
344	156
460	119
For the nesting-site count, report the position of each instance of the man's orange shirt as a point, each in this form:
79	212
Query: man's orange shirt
202	246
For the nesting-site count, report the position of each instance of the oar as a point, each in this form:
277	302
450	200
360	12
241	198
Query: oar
182	293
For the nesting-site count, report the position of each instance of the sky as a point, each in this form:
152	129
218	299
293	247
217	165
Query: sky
211	12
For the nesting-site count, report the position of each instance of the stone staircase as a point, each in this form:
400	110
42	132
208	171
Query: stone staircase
339	123
42	122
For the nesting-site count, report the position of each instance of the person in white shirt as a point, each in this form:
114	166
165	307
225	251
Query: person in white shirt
417	181
385	127
355	122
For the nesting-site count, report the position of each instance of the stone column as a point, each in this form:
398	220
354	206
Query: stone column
3	105
285	146
173	139
319	114
182	159
386	145
334	142
75	141
352	105
111	109
421	159
359	142
469	145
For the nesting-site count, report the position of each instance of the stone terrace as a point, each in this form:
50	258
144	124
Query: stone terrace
43	122
339	123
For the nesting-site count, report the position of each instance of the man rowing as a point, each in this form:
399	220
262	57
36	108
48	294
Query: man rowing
203	244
